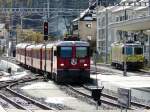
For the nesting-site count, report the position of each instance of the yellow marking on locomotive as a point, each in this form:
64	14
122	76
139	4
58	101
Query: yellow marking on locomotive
135	58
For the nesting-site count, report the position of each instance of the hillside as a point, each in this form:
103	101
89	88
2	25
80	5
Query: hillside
58	23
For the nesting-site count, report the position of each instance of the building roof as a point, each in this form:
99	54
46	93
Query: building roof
134	5
128	1
121	8
76	19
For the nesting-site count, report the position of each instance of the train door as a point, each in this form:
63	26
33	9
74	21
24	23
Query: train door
40	58
31	51
19	55
25	58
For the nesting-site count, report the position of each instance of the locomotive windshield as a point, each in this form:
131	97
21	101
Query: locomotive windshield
66	52
129	50
138	50
81	52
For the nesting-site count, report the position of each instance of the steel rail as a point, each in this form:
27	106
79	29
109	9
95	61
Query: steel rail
12	102
89	96
115	98
35	102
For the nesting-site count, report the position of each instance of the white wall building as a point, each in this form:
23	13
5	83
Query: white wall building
3	36
114	22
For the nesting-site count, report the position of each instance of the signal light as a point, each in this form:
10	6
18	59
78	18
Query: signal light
45	30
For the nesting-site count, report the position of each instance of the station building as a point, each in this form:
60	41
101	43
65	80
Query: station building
128	21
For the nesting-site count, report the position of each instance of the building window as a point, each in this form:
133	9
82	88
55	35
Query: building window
89	25
99	22
121	19
103	21
89	37
117	19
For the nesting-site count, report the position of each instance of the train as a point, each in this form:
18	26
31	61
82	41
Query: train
132	53
62	61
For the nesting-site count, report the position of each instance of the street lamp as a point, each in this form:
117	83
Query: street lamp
125	55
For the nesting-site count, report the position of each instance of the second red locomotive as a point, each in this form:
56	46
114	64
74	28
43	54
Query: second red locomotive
65	61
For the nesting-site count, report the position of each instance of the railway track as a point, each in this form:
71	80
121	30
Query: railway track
6	86
31	100
87	93
19	100
105	98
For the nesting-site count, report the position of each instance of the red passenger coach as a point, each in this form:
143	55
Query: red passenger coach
29	56
21	52
63	61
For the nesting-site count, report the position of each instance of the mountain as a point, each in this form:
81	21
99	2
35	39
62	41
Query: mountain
58	22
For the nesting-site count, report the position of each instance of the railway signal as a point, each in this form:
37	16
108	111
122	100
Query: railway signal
45	31
96	95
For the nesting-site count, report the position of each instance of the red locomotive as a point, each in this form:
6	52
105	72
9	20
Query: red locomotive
65	61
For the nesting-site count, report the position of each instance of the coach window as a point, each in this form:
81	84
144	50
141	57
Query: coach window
30	53
35	55
81	52
38	54
66	52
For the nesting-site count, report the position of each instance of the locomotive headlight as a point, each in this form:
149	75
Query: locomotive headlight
85	65
62	64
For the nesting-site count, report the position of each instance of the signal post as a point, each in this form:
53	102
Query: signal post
45	31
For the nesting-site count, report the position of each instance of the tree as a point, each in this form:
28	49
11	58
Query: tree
28	35
9	3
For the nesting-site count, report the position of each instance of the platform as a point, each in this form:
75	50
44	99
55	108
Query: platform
52	94
138	84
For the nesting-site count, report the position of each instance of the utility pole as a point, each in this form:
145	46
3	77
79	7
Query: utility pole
125	51
97	24
125	56
48	9
149	7
21	23
106	34
46	37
